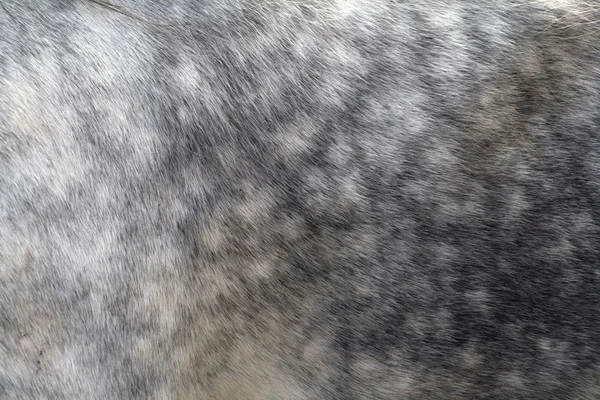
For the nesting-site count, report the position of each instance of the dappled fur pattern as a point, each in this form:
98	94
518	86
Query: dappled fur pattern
300	199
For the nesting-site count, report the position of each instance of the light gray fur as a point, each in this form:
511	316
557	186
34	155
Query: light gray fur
300	199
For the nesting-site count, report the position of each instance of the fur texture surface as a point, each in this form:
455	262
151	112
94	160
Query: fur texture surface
300	199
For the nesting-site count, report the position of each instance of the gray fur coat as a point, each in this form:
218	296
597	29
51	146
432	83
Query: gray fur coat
300	199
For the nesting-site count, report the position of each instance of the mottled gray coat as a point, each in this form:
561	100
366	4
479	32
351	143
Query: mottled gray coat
300	199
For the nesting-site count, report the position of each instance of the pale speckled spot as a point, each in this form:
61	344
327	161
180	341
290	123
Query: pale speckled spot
441	156
35	112
165	298
400	383
446	21
521	170
545	344
75	380
471	358
203	87
215	283
33	99
315	355
368	12
561	249
22	255
574	6
514	331
447	18
296	138
95	248
557	353
262	268
255	204
212	237
517	204
350	190
290	227
417	324
513	380
141	346
445	253
479	300
187	75
340	152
